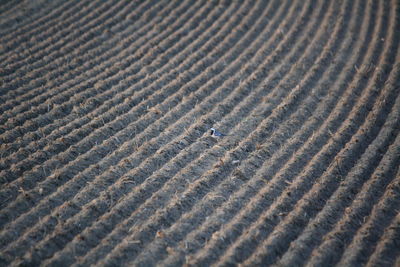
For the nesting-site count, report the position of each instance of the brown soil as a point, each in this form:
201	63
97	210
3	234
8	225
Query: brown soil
106	156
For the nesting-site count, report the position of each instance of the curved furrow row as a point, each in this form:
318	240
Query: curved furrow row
281	236
235	202
90	103
259	204
360	214
80	104
107	96
373	153
316	197
387	249
339	203
308	237
78	135
73	35
207	154
124	137
331	211
28	52
114	100
7	7
74	58
81	98
133	175
17	15
22	36
49	145
37	177
13	14
44	16
106	151
287	134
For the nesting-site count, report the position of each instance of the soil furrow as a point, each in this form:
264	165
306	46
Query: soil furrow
101	83
26	15
91	103
116	99
84	106
29	58
107	155
265	193
80	58
329	182
40	18
267	152
247	173
325	219
357	172
72	35
79	135
387	249
6	7
299	252
64	68
360	213
337	208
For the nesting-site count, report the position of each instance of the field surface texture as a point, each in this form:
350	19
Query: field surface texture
106	151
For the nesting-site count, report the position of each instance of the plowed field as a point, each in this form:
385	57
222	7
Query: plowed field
107	157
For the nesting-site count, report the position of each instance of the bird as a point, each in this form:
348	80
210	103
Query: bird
215	133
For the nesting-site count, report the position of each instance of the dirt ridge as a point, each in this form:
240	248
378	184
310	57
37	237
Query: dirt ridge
106	156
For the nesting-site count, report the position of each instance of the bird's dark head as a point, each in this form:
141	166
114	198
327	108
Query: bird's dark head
212	131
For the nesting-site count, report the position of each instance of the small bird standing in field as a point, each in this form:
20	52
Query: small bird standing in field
215	133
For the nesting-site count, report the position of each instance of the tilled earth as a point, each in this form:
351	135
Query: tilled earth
107	157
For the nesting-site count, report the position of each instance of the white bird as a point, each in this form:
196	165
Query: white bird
216	133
